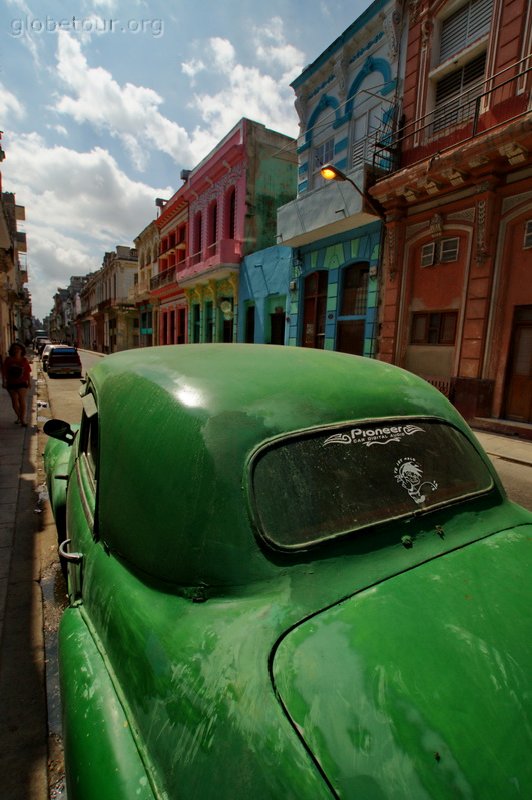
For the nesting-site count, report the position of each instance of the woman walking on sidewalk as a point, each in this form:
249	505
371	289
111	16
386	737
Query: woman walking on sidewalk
16	374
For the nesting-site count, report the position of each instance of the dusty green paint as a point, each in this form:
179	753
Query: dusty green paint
334	256
446	717
355	247
271	182
165	659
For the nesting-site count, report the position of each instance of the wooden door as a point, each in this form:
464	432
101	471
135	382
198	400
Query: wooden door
315	309
519	387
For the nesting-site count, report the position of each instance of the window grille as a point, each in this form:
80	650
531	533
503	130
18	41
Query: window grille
469	23
354	297
323	154
434	328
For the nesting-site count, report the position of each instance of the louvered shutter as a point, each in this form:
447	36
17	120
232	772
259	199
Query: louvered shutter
464	27
464	85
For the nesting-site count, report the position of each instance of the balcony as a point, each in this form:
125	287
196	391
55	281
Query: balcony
326	211
473	121
215	261
141	286
163	279
21	242
172	247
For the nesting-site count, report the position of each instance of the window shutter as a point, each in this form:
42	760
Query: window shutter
464	85
453	33
464	27
449	250
479	21
428	252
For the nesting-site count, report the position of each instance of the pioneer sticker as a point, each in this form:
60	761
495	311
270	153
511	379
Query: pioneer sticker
377	435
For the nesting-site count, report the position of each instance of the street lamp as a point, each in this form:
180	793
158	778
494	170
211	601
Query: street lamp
332	173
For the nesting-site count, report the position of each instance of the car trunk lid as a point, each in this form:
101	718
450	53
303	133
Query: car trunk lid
421	686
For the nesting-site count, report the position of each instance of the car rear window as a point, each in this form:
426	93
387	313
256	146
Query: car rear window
69	352
312	487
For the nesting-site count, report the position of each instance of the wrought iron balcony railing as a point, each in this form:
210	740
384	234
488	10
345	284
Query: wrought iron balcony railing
495	101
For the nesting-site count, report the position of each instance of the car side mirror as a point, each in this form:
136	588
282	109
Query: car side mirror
59	429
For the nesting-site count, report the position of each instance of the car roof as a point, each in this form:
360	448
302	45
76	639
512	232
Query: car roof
178	425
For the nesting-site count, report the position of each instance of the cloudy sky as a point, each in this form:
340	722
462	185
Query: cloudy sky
103	106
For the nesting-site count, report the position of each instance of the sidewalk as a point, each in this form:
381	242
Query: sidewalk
27	549
510	448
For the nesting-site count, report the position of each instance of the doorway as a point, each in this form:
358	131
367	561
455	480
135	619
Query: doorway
315	309
519	382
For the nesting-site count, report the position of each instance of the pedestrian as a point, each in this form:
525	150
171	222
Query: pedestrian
16	374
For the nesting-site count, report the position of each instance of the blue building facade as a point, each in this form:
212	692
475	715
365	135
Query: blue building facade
347	102
264	296
345	266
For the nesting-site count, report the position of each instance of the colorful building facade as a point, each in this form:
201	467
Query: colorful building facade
168	298
457	289
264	296
232	196
108	320
15	300
147	247
346	101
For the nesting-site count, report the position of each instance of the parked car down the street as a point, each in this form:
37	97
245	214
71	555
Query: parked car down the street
44	355
292	573
40	343
63	360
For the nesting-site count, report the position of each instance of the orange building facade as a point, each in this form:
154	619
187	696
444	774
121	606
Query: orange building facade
456	186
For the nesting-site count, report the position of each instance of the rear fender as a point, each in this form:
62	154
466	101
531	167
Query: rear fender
101	757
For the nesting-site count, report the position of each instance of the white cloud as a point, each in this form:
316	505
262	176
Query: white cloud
58	129
10	105
24	26
223	53
108	5
192	68
249	92
272	49
130	113
90	207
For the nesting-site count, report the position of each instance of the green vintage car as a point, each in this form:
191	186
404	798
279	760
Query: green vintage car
292	574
